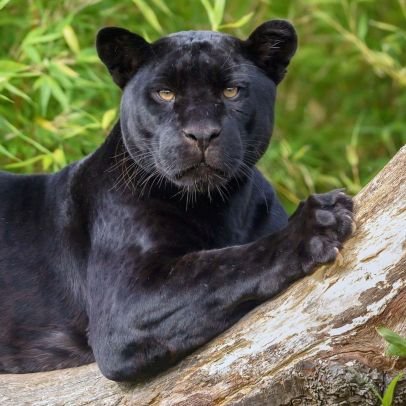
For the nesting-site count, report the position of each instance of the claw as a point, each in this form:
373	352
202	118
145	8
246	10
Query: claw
339	258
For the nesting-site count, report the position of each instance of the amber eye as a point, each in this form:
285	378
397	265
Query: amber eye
230	92
166	95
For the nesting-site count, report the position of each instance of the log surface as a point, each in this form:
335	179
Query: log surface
315	344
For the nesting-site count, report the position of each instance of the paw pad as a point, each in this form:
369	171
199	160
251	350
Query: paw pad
324	222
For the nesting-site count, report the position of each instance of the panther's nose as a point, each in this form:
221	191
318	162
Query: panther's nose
202	135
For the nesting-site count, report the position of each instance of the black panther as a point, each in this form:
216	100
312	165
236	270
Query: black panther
167	234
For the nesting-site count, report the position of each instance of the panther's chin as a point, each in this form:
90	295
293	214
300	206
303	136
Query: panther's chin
200	177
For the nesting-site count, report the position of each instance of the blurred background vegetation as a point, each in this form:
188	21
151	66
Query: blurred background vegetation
341	111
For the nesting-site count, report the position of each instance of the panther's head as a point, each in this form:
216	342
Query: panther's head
197	106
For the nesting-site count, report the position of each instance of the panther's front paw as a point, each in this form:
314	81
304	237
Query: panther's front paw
323	222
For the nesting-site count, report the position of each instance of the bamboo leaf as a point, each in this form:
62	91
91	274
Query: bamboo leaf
59	157
8	154
41	39
239	23
162	6
218	11
32	53
14	90
47	161
384	26
71	39
8	66
301	153
65	69
362	26
58	93
149	15
29	140
210	12
108	118
3	3
2	97
352	155
22	164
46	124
44	92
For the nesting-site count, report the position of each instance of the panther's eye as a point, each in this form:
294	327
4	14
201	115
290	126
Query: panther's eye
230	92
166	95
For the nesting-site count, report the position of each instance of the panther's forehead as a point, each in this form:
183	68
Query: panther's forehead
194	55
196	40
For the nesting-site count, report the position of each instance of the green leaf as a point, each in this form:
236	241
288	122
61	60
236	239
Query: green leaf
301	152
396	351
2	97
44	92
32	53
146	36
65	69
46	124
162	6
215	12
390	391
14	90
22	164
58	93
149	15
59	157
352	155
108	118
3	3
352	187
363	26
7	66
45	95
41	39
218	9
71	39
210	12
397	343
29	140
329	180
239	23
47	161
384	26
8	154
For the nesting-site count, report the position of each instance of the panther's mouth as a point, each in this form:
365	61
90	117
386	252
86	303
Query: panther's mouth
200	172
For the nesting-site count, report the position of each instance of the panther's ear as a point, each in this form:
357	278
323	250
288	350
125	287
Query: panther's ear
271	46
122	52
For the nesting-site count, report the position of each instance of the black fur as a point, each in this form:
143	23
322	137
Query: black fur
167	234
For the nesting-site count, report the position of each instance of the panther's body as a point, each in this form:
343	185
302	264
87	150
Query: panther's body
47	240
167	234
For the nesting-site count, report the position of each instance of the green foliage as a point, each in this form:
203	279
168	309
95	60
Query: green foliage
387	398
397	344
397	347
340	111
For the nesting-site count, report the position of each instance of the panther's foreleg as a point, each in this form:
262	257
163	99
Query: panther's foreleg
172	305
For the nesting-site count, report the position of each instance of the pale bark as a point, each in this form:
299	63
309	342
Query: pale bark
315	344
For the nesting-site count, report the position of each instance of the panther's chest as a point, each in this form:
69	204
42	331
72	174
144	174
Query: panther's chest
156	225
